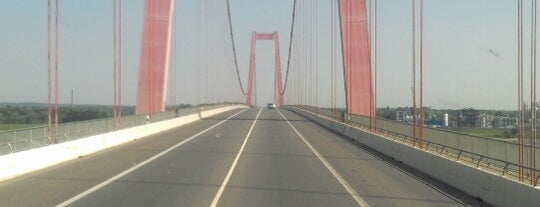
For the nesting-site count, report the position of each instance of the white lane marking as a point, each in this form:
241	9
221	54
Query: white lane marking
118	176
231	170
359	200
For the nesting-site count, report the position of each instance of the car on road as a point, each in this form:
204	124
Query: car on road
271	106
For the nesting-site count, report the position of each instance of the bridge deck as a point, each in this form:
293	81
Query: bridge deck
276	168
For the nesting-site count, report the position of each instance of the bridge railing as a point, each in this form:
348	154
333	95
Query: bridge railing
30	138
495	155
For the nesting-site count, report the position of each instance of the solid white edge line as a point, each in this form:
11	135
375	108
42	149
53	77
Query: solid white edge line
231	170
359	200
118	176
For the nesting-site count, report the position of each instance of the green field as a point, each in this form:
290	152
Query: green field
481	132
490	132
6	127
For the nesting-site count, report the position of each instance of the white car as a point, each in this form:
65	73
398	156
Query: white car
271	106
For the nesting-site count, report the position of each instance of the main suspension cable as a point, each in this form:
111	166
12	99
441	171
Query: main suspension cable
290	49
234	48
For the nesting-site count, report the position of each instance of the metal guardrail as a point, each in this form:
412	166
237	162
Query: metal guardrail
24	139
494	165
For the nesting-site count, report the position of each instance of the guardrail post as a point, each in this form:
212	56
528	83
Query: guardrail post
459	155
68	129
478	163
505	169
10	147
45	129
15	137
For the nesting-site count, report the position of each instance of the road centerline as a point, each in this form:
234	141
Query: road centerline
123	173
359	200
235	162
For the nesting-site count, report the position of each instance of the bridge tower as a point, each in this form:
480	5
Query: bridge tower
277	66
155	53
356	57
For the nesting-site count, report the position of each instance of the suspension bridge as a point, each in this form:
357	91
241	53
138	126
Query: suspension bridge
324	145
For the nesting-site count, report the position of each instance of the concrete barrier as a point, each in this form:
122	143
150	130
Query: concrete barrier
491	188
16	164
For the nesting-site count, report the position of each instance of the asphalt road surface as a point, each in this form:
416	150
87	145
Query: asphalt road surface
255	157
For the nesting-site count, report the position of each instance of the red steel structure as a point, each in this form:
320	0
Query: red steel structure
356	57
155	53
279	87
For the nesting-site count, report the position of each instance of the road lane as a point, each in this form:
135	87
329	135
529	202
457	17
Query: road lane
235	162
278	169
352	192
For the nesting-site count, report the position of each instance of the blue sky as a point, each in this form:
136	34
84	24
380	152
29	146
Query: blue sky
460	71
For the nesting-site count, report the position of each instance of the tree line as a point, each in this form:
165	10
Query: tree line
37	114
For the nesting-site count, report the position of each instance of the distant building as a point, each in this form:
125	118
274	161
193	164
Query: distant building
484	121
504	122
403	116
468	117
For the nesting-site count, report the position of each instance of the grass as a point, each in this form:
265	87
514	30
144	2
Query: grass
481	132
7	127
491	132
